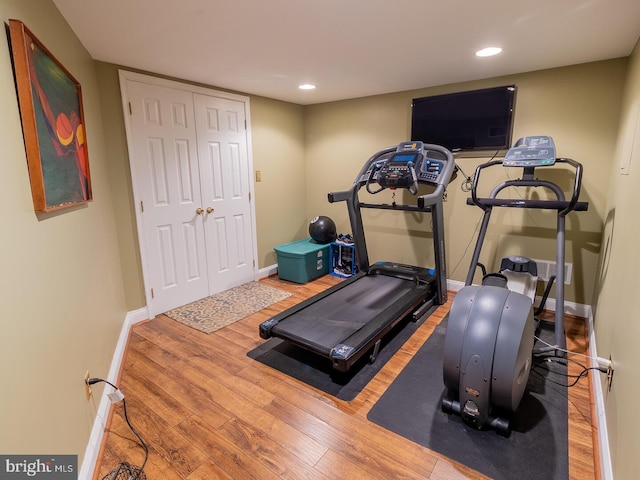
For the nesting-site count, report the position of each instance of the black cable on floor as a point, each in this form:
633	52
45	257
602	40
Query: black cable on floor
125	471
562	361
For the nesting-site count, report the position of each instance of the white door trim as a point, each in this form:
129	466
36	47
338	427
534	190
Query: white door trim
125	76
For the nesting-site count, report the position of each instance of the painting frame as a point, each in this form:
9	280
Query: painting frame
53	124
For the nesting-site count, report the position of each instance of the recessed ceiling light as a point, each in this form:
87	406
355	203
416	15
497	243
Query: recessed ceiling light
488	52
306	86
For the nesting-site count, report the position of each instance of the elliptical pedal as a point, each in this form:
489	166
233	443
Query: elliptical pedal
469	413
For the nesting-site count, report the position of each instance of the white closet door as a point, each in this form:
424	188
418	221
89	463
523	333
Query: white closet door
225	179
191	168
166	175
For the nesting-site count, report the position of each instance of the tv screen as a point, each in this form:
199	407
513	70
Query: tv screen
465	121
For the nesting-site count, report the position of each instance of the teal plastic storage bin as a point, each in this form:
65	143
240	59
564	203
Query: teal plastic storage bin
303	260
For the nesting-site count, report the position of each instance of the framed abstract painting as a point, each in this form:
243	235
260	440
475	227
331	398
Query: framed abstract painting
53	125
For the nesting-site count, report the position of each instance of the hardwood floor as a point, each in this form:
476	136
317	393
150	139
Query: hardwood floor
208	411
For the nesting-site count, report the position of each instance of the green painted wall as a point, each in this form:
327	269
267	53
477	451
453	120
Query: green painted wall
578	106
61	288
618	282
69	278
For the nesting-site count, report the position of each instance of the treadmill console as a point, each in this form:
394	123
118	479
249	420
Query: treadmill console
411	163
430	169
399	171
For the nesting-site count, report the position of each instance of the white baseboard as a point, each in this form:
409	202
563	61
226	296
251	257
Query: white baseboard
137	316
570	308
606	468
97	432
267	271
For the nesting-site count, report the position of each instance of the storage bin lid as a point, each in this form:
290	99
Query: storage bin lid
300	247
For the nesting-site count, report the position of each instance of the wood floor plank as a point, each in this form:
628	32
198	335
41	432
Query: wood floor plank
277	454
227	456
372	449
248	405
195	398
155	398
336	465
449	471
209	471
165	441
209	411
166	450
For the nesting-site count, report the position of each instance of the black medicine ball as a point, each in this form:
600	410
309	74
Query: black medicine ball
322	229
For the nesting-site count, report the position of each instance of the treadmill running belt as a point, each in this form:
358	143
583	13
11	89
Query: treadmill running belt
329	321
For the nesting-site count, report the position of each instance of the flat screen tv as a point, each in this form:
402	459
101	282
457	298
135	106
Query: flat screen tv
477	120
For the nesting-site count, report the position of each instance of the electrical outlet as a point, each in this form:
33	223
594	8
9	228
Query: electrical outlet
87	387
609	374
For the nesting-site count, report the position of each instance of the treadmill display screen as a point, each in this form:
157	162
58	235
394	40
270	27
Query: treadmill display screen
404	158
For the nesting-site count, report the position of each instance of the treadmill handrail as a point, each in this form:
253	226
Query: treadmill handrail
423	200
374	158
342	196
431	198
395	206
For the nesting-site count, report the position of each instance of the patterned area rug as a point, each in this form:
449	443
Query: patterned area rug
224	308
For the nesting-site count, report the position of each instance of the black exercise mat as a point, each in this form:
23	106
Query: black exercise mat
317	371
536	449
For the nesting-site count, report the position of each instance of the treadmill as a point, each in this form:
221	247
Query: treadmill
348	320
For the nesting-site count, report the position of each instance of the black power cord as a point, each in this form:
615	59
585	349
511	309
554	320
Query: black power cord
539	365
466	185
125	471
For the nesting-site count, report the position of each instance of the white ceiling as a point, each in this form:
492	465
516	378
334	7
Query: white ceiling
348	48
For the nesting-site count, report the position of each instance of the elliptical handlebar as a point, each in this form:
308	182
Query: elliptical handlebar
531	153
476	180
577	184
563	206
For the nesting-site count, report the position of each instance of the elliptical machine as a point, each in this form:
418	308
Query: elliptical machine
490	332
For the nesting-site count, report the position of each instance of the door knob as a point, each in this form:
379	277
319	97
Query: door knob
199	211
209	209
